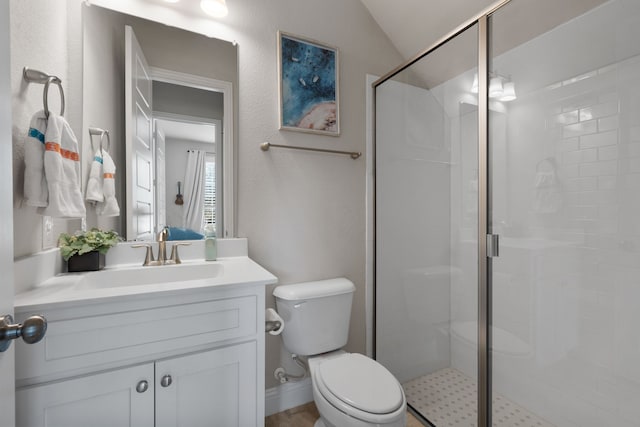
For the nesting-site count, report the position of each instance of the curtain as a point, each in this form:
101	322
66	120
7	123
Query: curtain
194	190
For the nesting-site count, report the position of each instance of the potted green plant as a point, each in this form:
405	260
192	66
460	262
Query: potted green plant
85	251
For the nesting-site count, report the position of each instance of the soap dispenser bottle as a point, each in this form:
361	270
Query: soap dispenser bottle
210	244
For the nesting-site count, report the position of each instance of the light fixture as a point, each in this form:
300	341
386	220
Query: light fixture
500	87
215	8
508	92
495	87
474	86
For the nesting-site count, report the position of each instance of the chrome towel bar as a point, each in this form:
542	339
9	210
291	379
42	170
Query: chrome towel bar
266	145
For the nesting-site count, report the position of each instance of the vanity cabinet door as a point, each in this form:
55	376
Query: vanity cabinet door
213	388
111	399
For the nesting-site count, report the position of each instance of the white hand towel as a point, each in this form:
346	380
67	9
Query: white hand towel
62	169
94	185
110	205
35	182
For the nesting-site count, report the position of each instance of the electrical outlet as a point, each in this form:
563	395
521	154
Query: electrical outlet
48	239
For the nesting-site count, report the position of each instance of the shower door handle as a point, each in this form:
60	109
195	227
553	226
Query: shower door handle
493	245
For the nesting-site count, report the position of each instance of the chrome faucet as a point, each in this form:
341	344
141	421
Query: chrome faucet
162	245
162	250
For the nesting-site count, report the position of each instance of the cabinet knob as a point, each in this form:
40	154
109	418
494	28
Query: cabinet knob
142	386
31	331
166	381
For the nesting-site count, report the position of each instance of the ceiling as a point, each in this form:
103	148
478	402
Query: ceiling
414	25
411	25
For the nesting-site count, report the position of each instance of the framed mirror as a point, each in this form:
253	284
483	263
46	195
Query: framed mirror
168	98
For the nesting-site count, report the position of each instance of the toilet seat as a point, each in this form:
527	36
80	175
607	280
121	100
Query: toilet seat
360	387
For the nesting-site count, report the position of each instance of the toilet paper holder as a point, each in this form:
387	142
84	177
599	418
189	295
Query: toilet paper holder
273	323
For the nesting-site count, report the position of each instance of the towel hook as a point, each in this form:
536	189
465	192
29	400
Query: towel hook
549	161
105	133
58	82
36	76
102	132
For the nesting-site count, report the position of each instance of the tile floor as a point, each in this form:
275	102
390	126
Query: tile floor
448	399
306	415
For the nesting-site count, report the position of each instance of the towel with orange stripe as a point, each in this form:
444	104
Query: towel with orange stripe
62	170
35	183
110	205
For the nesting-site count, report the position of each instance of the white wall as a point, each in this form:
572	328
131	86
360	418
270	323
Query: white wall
304	213
102	100
413	224
54	48
187	101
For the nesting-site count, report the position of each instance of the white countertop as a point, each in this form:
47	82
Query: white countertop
72	289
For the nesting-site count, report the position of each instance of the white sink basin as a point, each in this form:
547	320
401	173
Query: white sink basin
42	286
137	276
125	281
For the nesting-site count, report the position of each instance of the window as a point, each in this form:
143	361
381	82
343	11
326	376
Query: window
209	216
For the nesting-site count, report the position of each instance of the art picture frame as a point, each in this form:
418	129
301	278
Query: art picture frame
308	85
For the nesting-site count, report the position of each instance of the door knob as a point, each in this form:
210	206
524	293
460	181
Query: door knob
142	386
31	331
166	381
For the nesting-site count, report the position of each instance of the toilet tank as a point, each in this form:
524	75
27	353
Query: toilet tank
316	315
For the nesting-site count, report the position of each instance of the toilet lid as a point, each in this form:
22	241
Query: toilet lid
361	383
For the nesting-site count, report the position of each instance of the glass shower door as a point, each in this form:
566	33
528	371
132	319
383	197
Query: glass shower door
426	230
565	161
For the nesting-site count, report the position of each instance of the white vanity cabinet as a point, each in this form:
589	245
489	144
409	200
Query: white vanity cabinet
108	399
177	359
213	388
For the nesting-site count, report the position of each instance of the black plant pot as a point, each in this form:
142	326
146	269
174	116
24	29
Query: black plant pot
91	261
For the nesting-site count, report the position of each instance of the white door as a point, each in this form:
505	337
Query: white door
139	134
160	182
120	398
7	397
214	388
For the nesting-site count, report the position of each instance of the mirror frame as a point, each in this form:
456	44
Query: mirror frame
228	88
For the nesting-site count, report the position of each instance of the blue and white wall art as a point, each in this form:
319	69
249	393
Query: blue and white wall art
308	74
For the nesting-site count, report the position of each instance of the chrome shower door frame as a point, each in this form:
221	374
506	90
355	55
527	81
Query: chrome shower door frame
484	282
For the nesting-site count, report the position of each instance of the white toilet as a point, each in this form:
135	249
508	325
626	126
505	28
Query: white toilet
349	389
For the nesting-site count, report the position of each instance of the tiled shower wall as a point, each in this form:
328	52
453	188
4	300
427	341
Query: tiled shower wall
579	287
565	287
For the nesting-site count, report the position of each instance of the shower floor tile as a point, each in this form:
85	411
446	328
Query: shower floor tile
447	398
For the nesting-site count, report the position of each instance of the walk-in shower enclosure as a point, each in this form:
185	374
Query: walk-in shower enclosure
507	219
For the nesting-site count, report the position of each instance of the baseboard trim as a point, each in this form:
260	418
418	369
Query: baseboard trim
287	396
